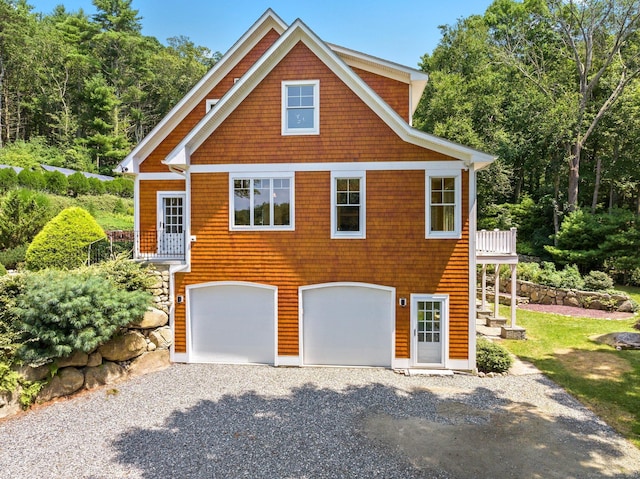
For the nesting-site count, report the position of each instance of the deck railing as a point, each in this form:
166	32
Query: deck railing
496	242
142	245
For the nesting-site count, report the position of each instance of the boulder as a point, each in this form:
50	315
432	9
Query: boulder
162	337
9	404
620	340
153	318
124	347
95	359
67	381
150	361
106	373
571	301
626	307
78	358
33	374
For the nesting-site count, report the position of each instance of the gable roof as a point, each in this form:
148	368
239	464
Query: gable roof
178	158
267	22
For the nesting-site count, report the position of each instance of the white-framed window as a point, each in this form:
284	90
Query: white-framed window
444	204
210	103
261	202
348	204
301	107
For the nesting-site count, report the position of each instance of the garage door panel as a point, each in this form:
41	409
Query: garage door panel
233	323
347	326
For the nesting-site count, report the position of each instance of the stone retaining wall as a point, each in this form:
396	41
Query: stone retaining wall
143	347
539	294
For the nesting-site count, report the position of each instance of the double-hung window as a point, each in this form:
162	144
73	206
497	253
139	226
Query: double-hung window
301	107
444	208
348	219
261	202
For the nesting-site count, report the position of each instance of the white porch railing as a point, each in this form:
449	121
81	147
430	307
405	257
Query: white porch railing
496	242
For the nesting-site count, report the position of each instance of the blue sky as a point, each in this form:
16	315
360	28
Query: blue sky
396	30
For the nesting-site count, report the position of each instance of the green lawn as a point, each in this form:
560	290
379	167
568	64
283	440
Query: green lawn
605	380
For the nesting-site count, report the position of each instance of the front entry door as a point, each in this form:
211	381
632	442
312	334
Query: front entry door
429	317
171	224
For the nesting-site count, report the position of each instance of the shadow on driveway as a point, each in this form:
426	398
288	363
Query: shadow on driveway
370	431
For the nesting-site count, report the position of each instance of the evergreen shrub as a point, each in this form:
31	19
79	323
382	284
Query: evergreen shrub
23	213
78	184
11	258
63	242
56	182
96	187
32	179
491	357
61	312
597	281
8	179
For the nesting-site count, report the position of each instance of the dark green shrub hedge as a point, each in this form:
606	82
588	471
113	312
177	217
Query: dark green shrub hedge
491	357
32	179
78	184
56	182
22	214
63	242
120	187
96	187
61	312
11	258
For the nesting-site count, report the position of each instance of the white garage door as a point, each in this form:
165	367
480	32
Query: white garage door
348	324
232	323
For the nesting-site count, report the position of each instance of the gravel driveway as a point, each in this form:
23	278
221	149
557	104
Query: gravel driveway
216	421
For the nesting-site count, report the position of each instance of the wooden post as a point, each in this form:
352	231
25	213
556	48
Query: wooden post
497	292
513	295
484	287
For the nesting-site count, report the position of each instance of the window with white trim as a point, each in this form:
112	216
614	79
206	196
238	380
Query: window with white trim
444	205
261	202
301	107
348	208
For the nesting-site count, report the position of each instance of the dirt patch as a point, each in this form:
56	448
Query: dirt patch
594	365
575	311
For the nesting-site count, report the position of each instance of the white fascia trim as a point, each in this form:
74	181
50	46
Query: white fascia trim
160	176
269	20
284	168
298	31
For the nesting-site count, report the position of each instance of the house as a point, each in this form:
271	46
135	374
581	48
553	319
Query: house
302	218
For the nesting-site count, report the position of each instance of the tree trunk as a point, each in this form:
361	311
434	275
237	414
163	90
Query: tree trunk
574	176
596	186
556	210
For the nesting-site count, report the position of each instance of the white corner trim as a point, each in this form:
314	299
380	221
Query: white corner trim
290	361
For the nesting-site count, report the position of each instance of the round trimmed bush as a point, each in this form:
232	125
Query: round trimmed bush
63	242
597	281
491	357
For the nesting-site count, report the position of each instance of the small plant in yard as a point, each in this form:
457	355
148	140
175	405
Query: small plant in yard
491	357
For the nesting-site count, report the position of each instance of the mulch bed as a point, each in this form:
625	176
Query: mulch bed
574	311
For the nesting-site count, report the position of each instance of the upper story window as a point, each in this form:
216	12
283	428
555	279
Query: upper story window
261	202
301	107
348	219
444	205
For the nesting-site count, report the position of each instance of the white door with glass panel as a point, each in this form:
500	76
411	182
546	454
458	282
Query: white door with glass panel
429	315
171	224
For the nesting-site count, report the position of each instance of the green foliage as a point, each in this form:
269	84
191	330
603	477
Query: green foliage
3	270
61	312
546	274
96	187
11	258
491	357
22	214
32	179
125	274
56	182
63	242
120	186
8	378
597	241
10	288
8	179
78	184
30	154
29	392
597	281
